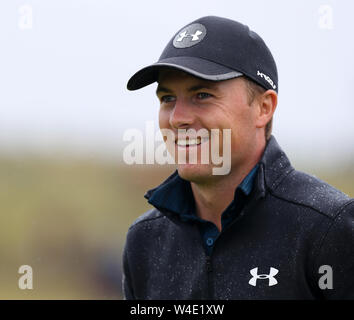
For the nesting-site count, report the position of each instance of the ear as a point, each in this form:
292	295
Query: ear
267	103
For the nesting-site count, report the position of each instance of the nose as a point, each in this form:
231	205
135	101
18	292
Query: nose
182	115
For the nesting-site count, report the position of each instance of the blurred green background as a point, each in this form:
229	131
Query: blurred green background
67	218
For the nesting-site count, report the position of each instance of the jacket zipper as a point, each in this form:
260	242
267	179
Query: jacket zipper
209	266
209	276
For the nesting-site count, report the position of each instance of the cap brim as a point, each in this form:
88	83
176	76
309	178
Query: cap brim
198	67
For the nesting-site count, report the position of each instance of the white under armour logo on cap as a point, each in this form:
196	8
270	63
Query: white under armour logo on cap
189	36
184	34
270	277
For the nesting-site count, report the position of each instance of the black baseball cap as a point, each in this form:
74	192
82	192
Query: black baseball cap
214	48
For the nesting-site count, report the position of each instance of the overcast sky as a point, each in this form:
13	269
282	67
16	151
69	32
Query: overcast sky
63	73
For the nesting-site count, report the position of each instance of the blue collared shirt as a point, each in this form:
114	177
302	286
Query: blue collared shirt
176	196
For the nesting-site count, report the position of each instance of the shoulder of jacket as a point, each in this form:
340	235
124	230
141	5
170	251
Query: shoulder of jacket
309	191
147	216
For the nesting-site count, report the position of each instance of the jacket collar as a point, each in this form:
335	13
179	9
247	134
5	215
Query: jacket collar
275	164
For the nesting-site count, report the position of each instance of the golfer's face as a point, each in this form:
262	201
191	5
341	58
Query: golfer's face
187	102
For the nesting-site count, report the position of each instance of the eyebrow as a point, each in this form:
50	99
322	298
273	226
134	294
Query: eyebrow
190	89
201	86
162	89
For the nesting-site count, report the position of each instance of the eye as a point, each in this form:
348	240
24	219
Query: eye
167	99
203	95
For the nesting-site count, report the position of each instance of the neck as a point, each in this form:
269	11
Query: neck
211	199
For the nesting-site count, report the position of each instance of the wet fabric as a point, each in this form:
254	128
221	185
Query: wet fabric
293	239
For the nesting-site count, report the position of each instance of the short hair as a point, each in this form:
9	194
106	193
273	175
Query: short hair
254	90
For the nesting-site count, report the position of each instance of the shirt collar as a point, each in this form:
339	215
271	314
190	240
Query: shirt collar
175	194
247	183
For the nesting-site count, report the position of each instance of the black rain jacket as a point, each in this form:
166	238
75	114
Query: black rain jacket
293	240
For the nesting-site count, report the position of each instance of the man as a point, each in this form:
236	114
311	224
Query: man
261	231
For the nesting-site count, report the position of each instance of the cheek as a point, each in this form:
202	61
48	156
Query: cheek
164	117
241	124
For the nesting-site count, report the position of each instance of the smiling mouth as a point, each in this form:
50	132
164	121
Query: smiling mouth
190	142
